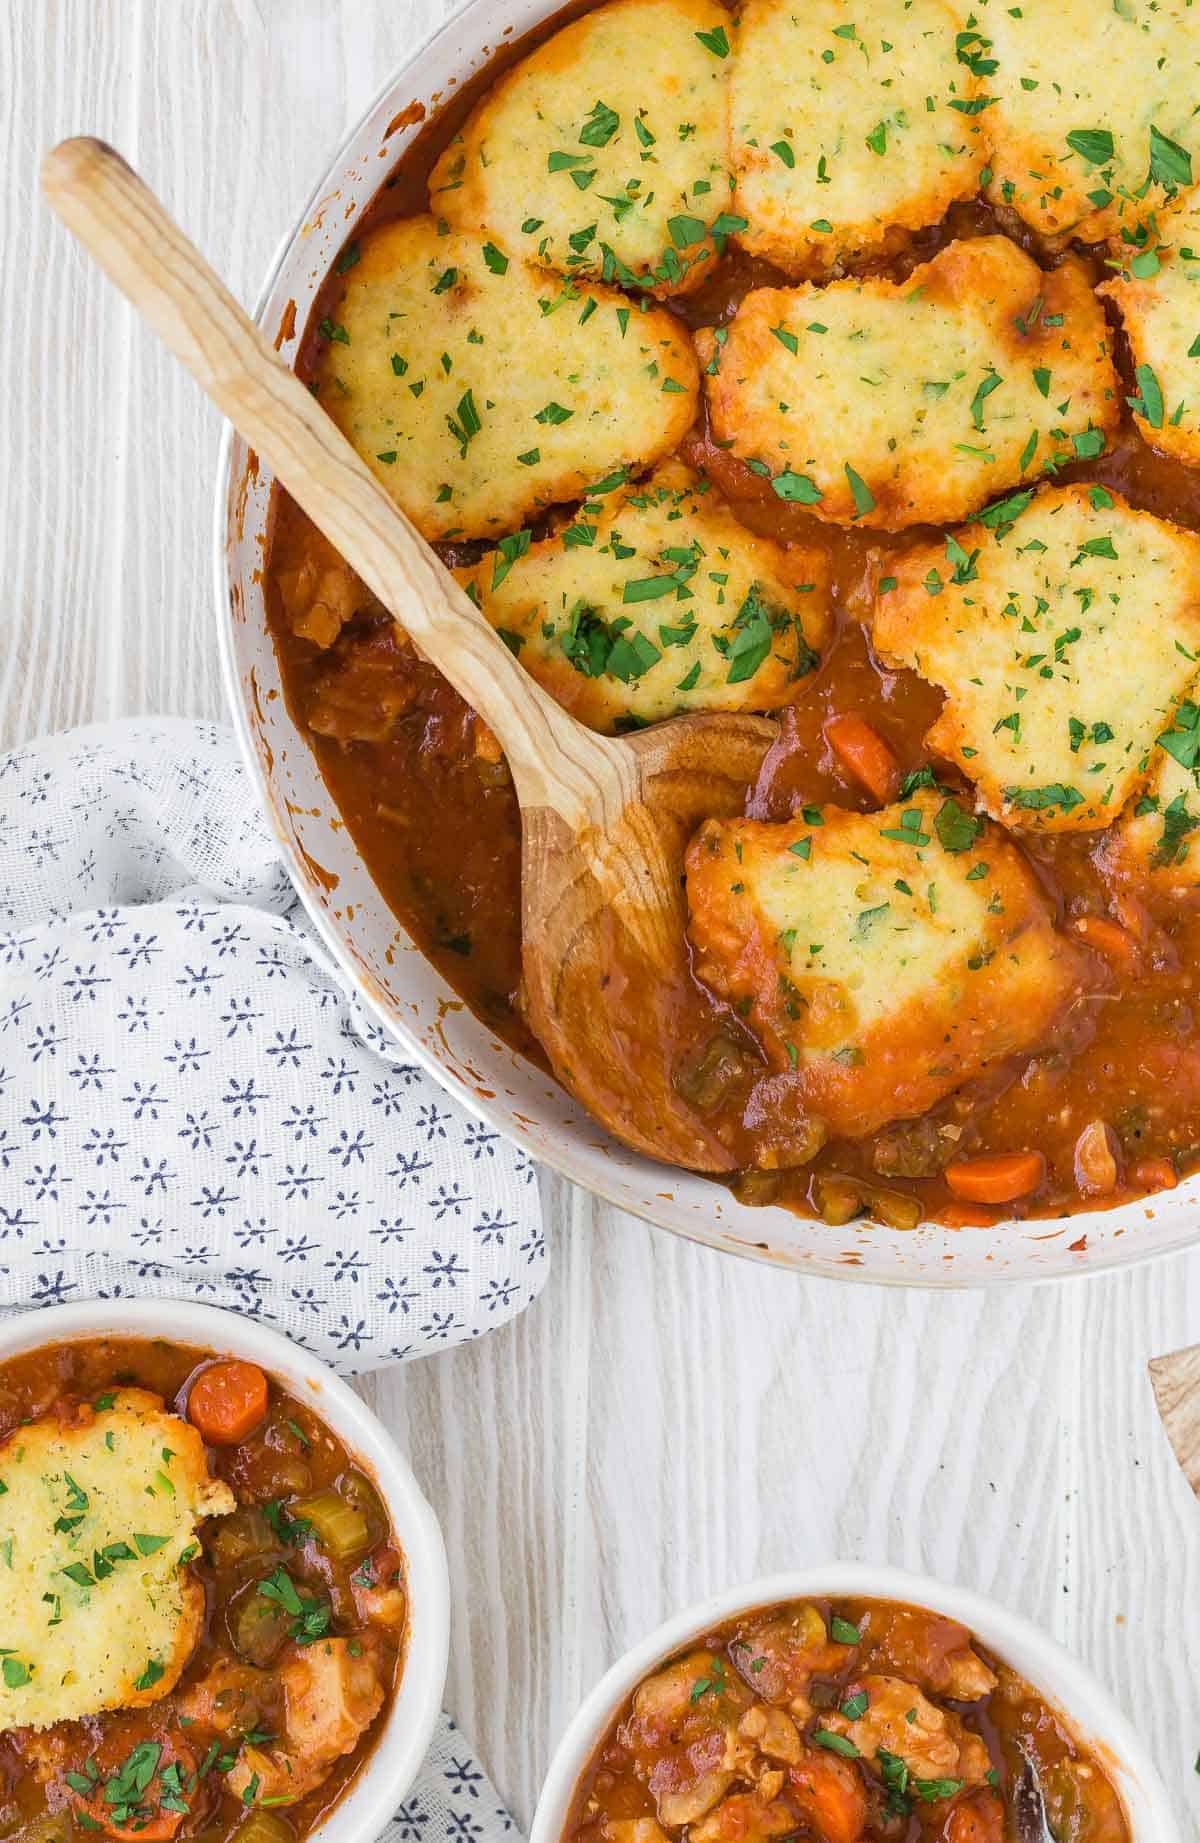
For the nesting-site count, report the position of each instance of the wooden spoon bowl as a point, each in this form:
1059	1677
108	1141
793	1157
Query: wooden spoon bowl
604	822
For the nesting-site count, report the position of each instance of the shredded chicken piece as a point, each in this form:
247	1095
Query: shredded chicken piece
694	1800
976	1820
691	1710
666	1698
934	1651
365	686
745	1818
321	594
780	1658
899	1719
633	1830
773	1732
331	1697
230	1698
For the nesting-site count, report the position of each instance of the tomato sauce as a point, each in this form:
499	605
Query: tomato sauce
433	812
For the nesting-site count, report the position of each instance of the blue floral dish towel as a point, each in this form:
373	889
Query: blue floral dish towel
193	1103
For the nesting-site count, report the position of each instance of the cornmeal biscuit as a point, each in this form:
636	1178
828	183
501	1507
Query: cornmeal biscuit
1063	641
913	402
849	122
97	1523
603	152
656	601
480	390
1095	120
882	958
1160	308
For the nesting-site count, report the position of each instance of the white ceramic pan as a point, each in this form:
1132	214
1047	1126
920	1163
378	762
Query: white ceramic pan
402	990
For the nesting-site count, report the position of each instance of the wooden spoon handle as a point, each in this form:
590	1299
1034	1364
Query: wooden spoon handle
555	762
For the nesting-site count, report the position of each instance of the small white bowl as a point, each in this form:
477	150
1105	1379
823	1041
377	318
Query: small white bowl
1087	1709
398	1750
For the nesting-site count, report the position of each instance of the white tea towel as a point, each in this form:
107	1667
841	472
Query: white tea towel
192	1104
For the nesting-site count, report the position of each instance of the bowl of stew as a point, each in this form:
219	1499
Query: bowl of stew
850	1704
1070	1151
226	1598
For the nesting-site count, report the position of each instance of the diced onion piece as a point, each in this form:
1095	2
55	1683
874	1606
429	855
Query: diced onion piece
264	1827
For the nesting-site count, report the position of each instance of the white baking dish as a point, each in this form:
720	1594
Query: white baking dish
403	991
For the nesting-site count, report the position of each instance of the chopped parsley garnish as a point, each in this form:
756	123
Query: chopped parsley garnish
1149	404
309	1616
508	550
991	381
465	424
712	1684
957	829
601	125
836	1743
864	499
1095	145
716	41
1044	799
1170	164
797	488
1182	740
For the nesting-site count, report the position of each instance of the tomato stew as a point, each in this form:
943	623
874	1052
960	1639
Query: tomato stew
426	794
303	1633
856	1721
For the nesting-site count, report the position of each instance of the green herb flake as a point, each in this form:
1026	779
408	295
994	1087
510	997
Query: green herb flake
1095	145
864	499
601	125
716	41
1170	164
836	1743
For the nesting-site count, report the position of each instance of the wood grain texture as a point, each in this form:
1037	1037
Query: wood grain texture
665	1419
1175	1380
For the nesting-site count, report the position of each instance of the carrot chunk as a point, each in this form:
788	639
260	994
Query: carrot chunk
862	752
998	1177
228	1400
1154	1174
978	1820
968	1216
1108	938
830	1794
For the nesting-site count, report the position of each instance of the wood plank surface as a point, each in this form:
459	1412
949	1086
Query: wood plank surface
665	1420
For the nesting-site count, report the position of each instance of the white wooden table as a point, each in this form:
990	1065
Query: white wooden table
665	1420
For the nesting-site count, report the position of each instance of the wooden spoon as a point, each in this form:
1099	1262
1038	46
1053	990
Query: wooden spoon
1176	1381
604	822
